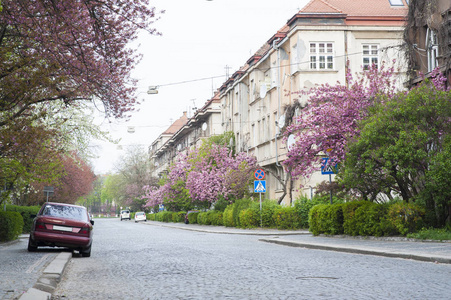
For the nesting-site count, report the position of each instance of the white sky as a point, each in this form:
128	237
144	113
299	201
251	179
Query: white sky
200	38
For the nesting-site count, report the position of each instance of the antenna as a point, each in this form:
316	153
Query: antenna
227	68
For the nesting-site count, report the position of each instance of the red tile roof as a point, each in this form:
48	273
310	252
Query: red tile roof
177	124
355	7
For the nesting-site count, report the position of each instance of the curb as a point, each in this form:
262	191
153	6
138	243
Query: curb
235	231
357	250
47	283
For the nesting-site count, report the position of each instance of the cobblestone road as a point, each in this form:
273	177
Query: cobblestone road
20	269
135	261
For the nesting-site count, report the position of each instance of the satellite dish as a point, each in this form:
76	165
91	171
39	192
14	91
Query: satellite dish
263	90
204	126
290	142
131	129
281	122
179	147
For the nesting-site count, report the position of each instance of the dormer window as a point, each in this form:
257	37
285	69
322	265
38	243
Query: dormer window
396	2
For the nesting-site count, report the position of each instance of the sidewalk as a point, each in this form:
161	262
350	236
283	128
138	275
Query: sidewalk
397	247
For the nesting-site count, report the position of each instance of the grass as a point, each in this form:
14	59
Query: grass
441	234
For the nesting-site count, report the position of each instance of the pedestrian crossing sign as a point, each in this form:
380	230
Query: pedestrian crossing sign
259	186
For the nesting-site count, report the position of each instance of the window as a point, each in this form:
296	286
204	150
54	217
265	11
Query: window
396	2
432	49
370	55
321	56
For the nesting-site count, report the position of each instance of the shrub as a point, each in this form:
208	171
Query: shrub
178	217
303	205
326	219
227	217
372	220
239	205
249	218
164	216
406	217
350	222
27	213
151	217
202	218
286	218
11	225
221	204
192	217
215	217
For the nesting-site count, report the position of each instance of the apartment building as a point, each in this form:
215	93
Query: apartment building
184	134
315	46
312	48
428	38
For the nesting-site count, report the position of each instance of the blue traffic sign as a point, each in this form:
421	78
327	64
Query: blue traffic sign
259	186
328	168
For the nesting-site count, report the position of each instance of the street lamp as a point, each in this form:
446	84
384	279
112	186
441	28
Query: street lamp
152	90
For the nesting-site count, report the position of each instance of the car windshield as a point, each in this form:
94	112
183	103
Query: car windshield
63	211
140	213
125	212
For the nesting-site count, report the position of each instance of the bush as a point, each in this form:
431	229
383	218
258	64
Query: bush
350	222
250	218
192	217
303	205
239	205
286	218
202	218
227	217
327	219
151	217
164	216
11	225
27	213
178	217
372	220
406	217
214	217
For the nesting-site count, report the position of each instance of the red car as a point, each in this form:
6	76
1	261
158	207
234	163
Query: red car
62	225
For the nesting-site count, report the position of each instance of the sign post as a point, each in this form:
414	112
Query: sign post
260	187
328	169
48	190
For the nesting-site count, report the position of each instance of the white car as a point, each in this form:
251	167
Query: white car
140	216
125	214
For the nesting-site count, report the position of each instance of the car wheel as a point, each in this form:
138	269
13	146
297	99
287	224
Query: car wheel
121	219
86	252
32	247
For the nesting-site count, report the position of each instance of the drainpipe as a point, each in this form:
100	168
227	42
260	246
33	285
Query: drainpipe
275	47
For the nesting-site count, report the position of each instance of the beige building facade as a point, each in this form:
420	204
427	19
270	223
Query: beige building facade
316	46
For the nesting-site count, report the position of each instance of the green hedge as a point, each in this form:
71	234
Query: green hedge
366	218
327	219
287	218
27	213
11	225
406	217
211	217
192	217
250	218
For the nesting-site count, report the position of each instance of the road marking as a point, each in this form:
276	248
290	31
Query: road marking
33	266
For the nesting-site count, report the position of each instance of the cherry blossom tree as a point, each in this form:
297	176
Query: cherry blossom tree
331	118
202	176
70	51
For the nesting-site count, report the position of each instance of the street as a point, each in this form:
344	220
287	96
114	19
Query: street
141	261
